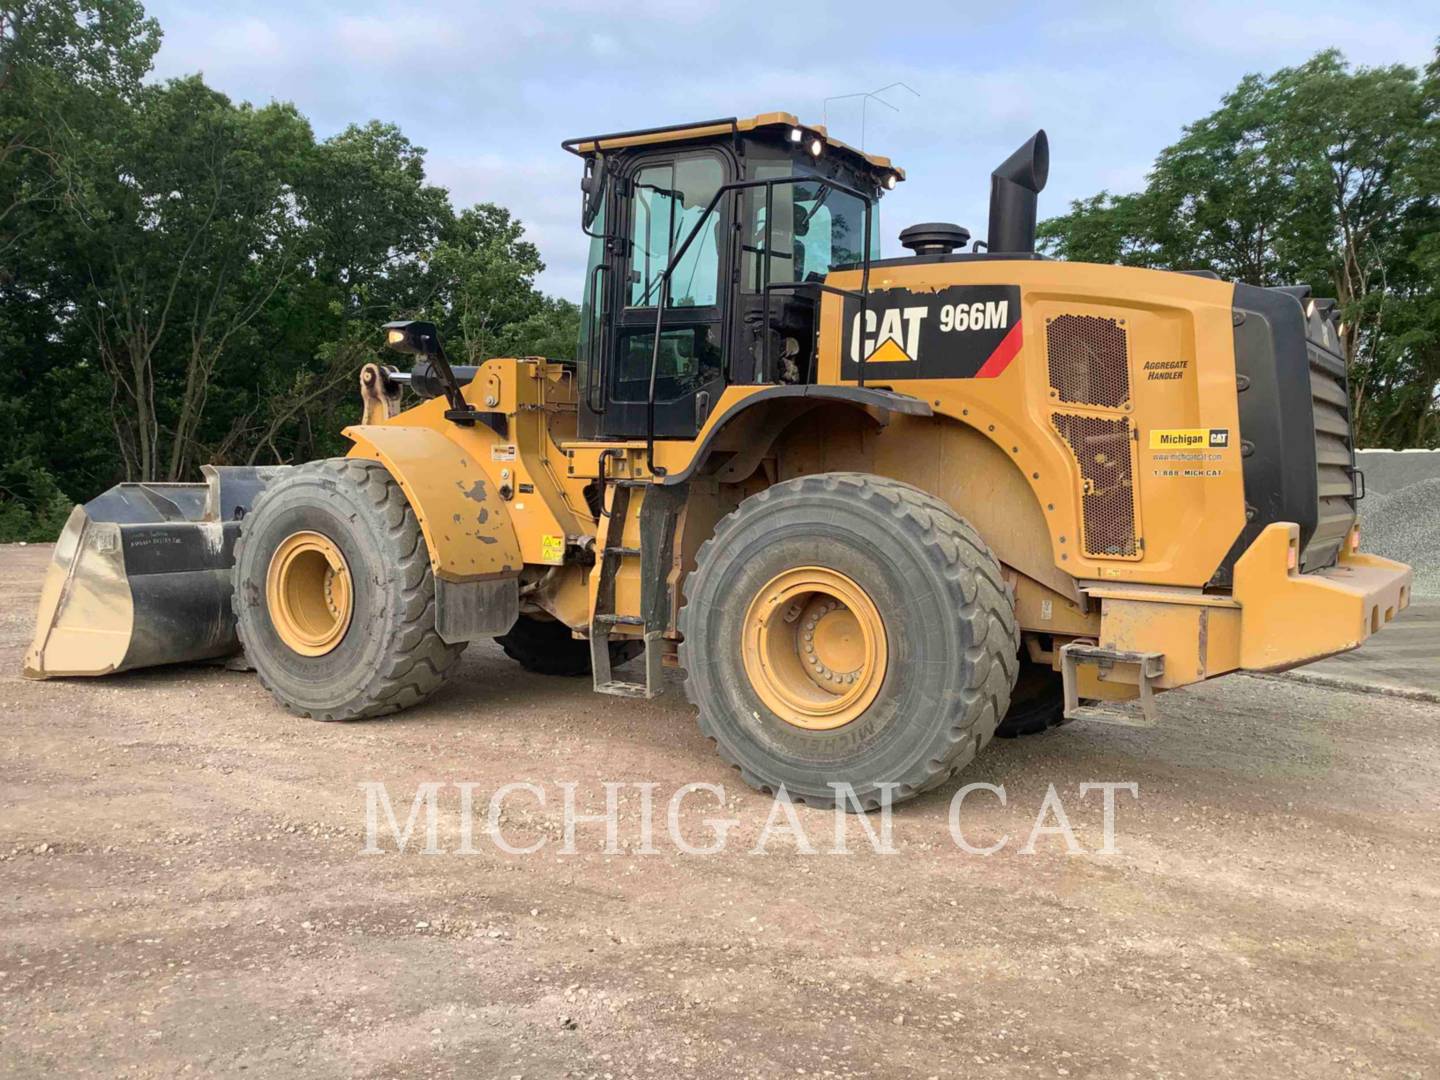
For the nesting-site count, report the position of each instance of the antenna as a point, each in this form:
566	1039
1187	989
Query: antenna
866	97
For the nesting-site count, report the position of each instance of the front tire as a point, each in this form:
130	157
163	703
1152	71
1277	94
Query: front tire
918	668
334	597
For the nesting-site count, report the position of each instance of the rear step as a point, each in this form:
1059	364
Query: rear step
1150	666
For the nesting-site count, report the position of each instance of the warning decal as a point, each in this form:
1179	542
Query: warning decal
552	550
960	332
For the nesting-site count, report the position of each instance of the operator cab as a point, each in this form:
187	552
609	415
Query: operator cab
721	235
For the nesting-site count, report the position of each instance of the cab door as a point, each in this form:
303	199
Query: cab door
664	198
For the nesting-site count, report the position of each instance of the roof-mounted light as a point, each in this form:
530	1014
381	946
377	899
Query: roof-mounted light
816	146
796	135
891	179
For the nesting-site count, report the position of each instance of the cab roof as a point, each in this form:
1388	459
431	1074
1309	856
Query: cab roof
708	129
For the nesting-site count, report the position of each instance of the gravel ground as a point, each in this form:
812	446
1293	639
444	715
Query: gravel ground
186	892
1405	525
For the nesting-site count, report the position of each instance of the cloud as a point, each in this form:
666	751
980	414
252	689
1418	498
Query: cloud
543	192
491	88
1364	32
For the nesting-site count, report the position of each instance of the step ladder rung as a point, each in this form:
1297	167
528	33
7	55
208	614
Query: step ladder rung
604	618
624	689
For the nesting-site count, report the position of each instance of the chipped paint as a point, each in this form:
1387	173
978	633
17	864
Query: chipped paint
213	533
467	529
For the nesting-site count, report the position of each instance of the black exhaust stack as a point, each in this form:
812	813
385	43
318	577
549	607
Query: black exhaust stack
1013	188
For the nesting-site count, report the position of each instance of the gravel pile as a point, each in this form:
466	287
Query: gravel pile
1405	525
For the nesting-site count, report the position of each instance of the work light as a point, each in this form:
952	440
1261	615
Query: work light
413	337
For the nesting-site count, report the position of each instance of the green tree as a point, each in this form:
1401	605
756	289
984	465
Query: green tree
189	229
482	281
1320	174
185	279
64	64
67	69
370	222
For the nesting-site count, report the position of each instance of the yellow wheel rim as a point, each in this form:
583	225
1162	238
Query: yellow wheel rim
308	591
814	648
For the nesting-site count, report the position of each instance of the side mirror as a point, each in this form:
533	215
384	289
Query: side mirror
592	184
413	337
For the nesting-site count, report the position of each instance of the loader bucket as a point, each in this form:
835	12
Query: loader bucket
141	576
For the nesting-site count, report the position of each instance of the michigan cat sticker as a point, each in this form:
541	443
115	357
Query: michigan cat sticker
960	332
1189	438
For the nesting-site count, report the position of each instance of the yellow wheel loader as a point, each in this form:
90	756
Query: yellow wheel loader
873	508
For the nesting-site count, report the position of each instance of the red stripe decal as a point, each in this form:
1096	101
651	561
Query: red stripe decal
1003	354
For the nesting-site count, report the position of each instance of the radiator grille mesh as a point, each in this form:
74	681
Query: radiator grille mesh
1103	449
1089	359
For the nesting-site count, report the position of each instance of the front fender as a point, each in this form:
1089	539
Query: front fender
465	522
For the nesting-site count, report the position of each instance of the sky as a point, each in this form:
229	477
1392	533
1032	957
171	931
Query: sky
491	89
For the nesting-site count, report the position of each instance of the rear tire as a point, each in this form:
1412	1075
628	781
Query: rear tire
949	651
389	655
546	647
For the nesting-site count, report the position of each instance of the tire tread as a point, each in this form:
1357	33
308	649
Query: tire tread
416	661
980	598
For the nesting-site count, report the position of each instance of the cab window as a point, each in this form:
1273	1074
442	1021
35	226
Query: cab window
669	200
814	229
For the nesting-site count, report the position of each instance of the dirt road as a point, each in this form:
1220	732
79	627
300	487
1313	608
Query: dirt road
185	891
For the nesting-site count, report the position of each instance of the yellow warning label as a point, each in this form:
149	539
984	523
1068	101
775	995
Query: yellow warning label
1189	438
552	550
